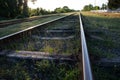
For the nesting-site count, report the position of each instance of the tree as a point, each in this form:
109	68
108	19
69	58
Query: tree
58	10
63	10
13	8
113	4
104	6
96	8
88	7
25	8
10	8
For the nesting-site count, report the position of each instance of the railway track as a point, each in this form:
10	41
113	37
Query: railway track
57	39
16	21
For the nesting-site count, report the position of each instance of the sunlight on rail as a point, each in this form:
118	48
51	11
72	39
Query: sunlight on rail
87	73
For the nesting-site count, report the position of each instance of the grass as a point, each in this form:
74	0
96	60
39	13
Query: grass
106	26
17	27
16	69
103	15
101	73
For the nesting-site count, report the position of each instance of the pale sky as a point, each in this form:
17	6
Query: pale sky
72	4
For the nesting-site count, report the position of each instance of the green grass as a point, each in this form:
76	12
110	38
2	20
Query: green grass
101	73
16	69
106	28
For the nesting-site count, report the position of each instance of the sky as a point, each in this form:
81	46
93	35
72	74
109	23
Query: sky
72	4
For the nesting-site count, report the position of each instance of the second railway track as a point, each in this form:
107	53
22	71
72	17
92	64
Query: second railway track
17	21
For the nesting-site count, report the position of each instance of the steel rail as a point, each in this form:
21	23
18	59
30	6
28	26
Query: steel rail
87	72
4	37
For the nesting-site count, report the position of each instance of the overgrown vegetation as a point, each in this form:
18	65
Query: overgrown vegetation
102	32
110	73
107	29
16	69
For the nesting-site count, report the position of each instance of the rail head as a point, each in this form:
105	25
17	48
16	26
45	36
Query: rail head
87	72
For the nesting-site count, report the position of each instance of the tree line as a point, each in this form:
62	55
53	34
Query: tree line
91	7
112	4
20	9
41	11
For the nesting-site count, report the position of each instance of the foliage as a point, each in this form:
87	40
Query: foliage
41	11
96	8
19	9
104	6
38	11
114	4
14	8
63	10
106	27
16	69
90	7
8	7
25	8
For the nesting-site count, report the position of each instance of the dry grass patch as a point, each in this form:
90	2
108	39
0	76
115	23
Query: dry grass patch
107	15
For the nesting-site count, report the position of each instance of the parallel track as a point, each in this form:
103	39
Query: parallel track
16	21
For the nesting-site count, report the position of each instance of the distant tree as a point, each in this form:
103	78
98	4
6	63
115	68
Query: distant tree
58	10
43	11
113	4
96	8
38	11
63	9
34	12
88	7
25	7
104	6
